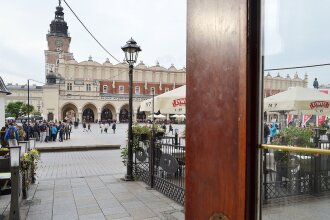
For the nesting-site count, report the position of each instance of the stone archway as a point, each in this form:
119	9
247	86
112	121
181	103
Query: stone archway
123	114
89	113
69	112
108	113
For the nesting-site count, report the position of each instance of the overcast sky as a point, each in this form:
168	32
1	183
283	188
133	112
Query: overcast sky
158	26
296	33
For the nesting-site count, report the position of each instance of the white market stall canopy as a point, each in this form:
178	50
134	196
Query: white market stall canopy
299	100
171	102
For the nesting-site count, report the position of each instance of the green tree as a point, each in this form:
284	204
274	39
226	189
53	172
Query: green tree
14	109
36	113
27	109
17	109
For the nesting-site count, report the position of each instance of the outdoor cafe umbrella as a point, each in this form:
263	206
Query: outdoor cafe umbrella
171	102
175	116
299	100
160	116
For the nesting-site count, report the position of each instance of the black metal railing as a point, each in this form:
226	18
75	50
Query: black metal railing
289	172
161	165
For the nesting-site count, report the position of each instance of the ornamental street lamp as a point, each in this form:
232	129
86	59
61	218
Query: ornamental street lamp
131	50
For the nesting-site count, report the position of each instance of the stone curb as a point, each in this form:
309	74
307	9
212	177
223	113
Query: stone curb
78	148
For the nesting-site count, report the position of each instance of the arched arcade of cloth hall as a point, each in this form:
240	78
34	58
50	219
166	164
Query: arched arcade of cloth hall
69	112
108	113
89	113
123	113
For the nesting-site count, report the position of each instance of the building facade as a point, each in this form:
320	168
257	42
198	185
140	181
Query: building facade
92	91
89	90
276	84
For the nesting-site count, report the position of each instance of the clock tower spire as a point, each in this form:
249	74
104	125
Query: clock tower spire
58	40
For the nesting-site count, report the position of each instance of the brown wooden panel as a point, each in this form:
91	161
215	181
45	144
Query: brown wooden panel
218	85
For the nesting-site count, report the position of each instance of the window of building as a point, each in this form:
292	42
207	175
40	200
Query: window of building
167	89
121	89
88	87
137	89
105	89
69	86
152	90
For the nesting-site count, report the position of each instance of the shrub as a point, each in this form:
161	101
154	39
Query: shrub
294	136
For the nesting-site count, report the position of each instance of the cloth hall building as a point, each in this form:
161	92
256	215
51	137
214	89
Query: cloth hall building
88	90
93	91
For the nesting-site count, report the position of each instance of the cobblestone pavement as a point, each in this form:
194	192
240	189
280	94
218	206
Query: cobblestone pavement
87	185
304	207
80	138
98	197
79	164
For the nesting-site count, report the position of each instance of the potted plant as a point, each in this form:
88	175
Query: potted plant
4	151
323	130
34	154
294	136
140	133
25	167
124	154
28	168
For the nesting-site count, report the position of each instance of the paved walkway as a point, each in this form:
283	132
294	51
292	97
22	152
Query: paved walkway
96	138
86	185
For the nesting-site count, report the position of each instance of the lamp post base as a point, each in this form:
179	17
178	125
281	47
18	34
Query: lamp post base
127	178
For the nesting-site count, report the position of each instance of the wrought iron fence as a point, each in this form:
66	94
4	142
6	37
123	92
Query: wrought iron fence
287	173
162	166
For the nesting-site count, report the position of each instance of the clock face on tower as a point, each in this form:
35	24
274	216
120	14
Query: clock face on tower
59	42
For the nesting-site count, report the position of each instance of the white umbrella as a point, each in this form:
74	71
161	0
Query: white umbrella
181	116
160	116
299	100
175	116
171	102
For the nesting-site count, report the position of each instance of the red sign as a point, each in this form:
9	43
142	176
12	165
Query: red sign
289	118
181	101
319	104
306	118
321	119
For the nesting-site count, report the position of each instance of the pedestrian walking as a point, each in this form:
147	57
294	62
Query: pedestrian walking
54	132
36	131
89	127
102	127
43	132
273	132
266	133
106	127
114	127
12	135
69	130
61	128
48	132
171	129
84	127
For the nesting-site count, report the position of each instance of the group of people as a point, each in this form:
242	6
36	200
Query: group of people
270	131
42	131
104	126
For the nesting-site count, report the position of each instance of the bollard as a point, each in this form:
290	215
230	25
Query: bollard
15	182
